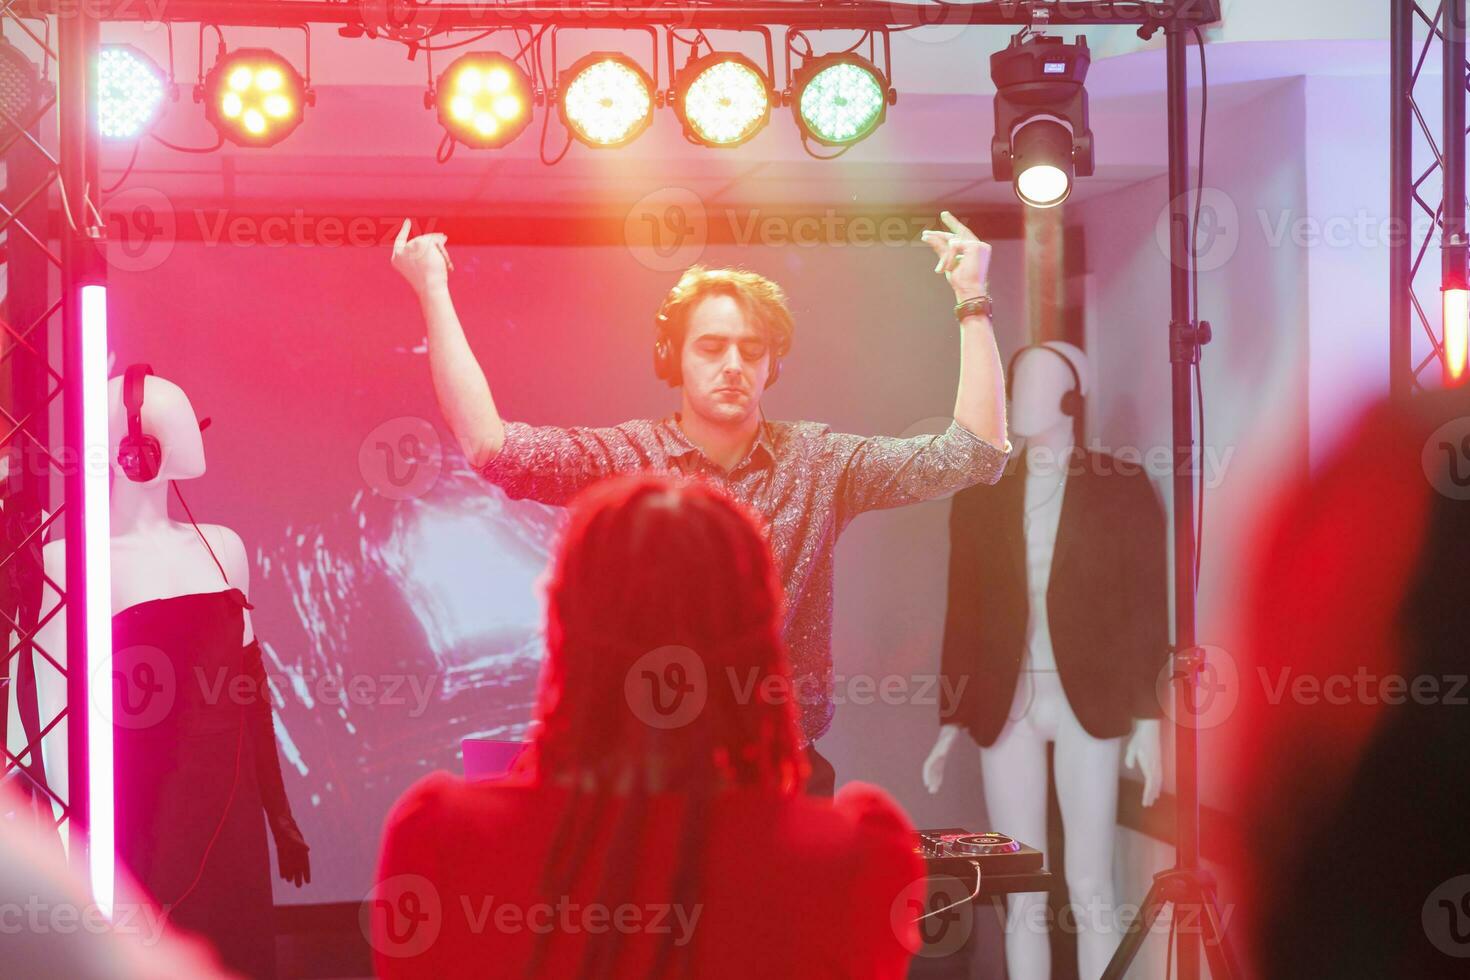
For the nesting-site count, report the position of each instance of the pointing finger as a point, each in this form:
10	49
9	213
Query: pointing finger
402	238
955	225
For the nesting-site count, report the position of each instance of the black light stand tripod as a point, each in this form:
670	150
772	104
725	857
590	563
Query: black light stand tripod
1188	886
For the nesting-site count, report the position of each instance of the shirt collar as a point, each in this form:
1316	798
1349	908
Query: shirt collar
678	444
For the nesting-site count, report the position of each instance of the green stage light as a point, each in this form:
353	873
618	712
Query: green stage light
839	99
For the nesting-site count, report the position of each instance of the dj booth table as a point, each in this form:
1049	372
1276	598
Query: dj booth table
951	935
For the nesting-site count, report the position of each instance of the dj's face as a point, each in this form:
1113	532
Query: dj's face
725	361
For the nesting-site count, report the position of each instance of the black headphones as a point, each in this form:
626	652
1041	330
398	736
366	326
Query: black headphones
139	455
666	359
1071	401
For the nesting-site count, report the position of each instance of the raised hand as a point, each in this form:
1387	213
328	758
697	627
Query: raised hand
422	260
963	258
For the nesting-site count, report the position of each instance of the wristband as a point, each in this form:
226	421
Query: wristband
980	306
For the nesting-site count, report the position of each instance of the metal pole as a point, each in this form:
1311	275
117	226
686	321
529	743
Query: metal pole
1400	202
1183	356
77	35
386	15
1454	242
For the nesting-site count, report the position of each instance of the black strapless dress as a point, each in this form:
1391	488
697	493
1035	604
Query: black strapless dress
191	824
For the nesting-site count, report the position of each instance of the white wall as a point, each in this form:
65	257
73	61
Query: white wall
1345	229
1256	294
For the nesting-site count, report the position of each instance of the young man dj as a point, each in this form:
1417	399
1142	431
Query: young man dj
720	336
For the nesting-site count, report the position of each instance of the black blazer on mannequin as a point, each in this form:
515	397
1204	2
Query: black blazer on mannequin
1107	599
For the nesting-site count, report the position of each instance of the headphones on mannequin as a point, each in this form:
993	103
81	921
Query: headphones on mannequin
139	455
1072	401
666	359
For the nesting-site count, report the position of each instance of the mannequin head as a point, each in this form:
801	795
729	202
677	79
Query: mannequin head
168	416
1039	381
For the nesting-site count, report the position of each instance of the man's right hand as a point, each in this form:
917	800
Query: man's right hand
422	260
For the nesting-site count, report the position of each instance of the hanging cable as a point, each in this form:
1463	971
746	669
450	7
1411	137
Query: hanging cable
126	170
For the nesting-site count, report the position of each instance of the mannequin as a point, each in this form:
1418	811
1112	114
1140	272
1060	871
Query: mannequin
191	781
1075	618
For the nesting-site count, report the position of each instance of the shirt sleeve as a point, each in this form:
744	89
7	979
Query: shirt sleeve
262	732
890	471
551	464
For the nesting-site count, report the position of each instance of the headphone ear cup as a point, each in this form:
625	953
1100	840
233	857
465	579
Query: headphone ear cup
1072	404
140	459
152	458
664	366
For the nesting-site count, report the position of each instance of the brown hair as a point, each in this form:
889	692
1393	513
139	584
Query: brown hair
759	298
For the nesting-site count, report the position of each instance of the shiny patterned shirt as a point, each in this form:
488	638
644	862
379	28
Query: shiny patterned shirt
805	481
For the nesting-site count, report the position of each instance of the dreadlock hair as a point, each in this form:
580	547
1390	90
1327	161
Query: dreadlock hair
651	562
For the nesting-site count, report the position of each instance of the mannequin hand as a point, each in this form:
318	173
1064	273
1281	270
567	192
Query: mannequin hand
422	260
934	765
1145	754
963	257
291	852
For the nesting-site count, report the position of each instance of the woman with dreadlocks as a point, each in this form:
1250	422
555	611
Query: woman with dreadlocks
656	826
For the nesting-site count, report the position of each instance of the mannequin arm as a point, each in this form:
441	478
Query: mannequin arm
1145	753
291	849
934	765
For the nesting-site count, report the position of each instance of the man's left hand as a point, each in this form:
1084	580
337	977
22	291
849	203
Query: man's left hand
963	257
